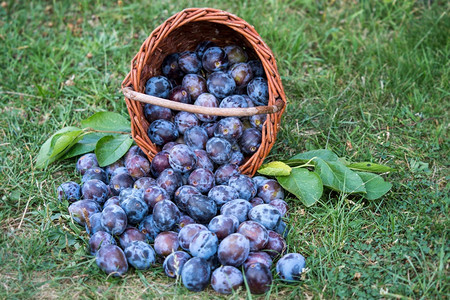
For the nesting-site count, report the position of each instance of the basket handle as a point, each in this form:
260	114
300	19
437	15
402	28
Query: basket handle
215	111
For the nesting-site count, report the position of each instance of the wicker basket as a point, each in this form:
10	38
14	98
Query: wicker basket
181	32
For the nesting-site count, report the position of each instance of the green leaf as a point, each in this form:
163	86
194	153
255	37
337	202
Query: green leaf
107	121
112	147
85	145
305	185
275	168
338	177
321	153
368	166
376	187
44	156
63	141
295	162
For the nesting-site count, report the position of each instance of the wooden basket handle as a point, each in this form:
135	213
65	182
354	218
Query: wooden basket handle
215	111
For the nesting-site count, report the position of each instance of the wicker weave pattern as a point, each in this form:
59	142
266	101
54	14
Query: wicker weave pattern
183	31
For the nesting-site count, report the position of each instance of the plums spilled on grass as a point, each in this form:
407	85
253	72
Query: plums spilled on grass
204	244
140	255
255	233
114	219
166	242
81	210
95	173
238	208
86	162
98	240
111	260
202	179
187	233
165	215
226	279
221	218
233	250
259	278
290	266
70	191
196	274
173	264
96	190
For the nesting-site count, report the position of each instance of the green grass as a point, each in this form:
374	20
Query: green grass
368	80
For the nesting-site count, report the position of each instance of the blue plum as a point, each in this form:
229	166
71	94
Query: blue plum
266	215
221	84
221	194
161	132
95	173
238	208
86	162
99	239
96	190
243	185
81	210
259	278
258	91
201	208
196	274
112	260
158	86
233	250
165	215
182	158
166	242
140	255
204	244
226	279
69	191
202	179
169	180
219	150
173	264
187	233
114	219
290	267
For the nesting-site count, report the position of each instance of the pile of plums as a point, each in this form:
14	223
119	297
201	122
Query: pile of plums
190	207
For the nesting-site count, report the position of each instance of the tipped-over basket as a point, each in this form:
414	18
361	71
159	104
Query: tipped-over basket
184	31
